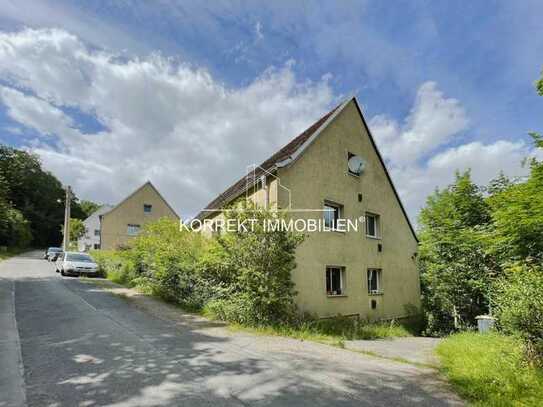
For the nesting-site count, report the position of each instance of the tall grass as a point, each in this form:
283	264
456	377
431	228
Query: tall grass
332	330
491	370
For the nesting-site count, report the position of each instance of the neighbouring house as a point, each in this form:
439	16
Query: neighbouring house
91	238
333	171
118	224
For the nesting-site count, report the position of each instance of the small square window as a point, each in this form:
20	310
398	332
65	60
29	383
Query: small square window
335	280
374	281
332	213
96	232
147	208
372	225
133	230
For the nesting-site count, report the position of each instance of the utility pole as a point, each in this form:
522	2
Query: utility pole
66	240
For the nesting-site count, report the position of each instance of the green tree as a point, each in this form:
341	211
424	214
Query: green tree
455	268
36	194
518	302
19	233
4	208
88	207
517	215
77	229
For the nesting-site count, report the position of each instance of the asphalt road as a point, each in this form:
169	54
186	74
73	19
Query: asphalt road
64	342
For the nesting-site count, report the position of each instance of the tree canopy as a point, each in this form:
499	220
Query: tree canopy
31	201
481	246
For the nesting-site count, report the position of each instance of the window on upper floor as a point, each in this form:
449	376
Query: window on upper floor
374	281
147	208
373	225
133	230
96	232
335	280
332	213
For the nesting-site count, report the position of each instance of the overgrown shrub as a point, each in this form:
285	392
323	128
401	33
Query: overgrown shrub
116	265
257	265
242	276
518	301
167	261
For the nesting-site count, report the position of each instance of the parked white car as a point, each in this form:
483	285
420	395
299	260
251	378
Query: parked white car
74	263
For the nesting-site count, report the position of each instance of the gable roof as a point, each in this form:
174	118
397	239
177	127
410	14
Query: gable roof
135	192
100	211
289	153
240	186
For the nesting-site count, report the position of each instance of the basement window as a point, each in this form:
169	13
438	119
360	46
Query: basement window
133	230
372	225
374	281
147	208
335	280
332	213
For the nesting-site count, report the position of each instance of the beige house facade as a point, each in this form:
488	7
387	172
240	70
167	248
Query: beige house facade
370	272
125	220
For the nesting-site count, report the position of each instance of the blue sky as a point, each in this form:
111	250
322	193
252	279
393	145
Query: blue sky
445	86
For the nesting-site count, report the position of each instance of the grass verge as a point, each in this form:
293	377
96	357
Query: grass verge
490	370
6	254
333	331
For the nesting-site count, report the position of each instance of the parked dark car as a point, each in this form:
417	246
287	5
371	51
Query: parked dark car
52	253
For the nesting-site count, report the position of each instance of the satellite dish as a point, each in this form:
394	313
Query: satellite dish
356	165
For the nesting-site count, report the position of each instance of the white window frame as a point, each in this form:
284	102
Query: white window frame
379	272
341	281
377	225
150	209
133	229
335	206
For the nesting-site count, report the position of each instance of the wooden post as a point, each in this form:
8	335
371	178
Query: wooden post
66	240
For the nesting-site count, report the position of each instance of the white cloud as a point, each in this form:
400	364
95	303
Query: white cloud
37	114
192	135
417	155
90	27
258	31
164	120
433	121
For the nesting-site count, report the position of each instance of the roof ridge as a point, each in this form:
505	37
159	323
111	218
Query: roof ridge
283	153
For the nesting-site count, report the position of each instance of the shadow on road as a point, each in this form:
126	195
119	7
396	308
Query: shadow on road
84	346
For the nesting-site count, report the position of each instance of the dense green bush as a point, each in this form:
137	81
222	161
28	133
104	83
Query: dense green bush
259	264
519	303
116	265
241	277
167	261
